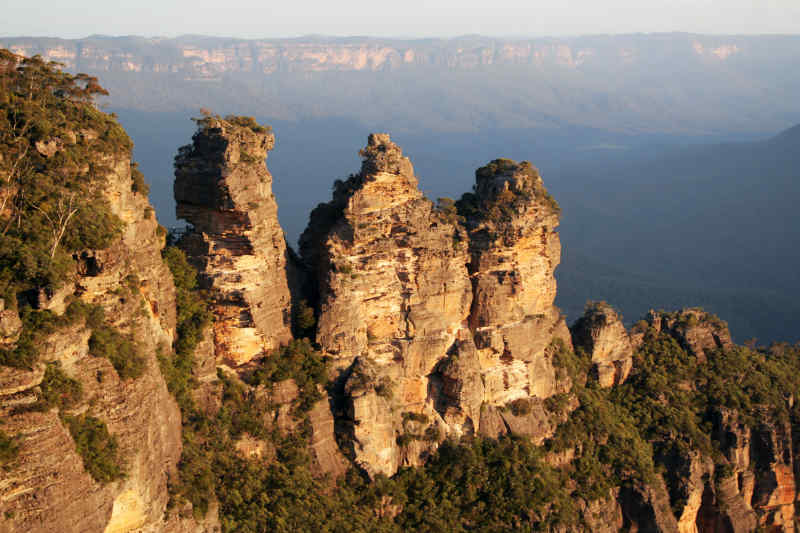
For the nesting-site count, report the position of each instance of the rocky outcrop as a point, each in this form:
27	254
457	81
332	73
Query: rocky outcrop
436	323
394	293
695	329
514	251
46	488
224	190
601	334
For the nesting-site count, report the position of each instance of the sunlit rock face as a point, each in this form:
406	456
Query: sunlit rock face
223	188
46	488
514	251
435	321
602	336
394	293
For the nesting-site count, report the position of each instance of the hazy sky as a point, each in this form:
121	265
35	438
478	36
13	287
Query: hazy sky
415	18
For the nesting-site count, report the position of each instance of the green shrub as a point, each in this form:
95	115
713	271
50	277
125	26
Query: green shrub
9	449
138	183
304	322
96	446
58	389
248	122
300	362
123	352
38	325
520	407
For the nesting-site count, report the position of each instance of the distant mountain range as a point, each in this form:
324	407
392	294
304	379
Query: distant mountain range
677	83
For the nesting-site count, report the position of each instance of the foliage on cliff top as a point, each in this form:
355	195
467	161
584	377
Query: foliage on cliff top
605	438
500	201
210	120
56	148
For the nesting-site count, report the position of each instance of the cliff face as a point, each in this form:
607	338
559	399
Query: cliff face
601	334
47	488
224	190
514	252
436	322
435	328
209	57
394	293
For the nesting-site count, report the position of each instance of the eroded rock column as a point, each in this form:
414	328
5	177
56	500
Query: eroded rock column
224	190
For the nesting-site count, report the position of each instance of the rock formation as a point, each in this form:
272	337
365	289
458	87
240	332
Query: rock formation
46	487
437	322
394	293
600	333
694	329
224	190
514	252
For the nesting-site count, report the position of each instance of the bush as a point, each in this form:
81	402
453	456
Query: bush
304	322
96	446
9	449
38	325
248	122
300	362
138	183
58	389
520	407
123	352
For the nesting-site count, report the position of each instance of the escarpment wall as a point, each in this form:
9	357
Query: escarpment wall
46	488
224	190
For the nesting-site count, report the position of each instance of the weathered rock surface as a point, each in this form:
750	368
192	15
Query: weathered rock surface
430	317
514	251
601	334
46	488
696	330
224	190
10	325
393	294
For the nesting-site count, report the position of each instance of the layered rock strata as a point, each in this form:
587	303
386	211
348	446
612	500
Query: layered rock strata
514	251
602	336
224	190
394	293
435	329
46	487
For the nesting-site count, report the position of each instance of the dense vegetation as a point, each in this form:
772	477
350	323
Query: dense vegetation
122	350
96	446
9	449
615	437
56	150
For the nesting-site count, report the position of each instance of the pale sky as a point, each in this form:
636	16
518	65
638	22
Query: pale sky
411	18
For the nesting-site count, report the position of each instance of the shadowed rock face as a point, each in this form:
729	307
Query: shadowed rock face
600	333
435	326
224	190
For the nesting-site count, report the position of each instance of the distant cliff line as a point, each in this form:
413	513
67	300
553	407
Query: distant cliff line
201	56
